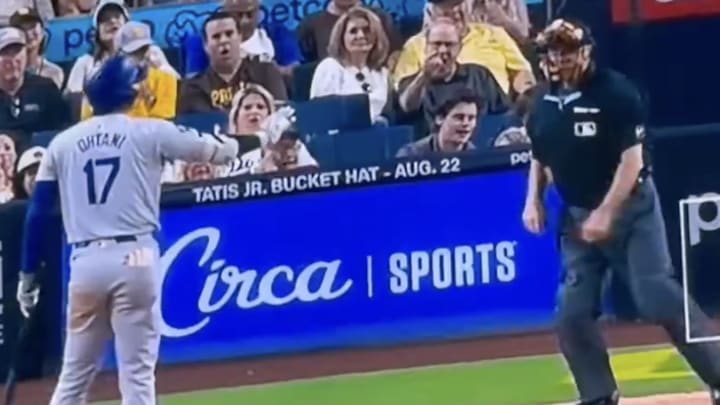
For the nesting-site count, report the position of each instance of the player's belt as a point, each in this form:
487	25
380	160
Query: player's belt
116	239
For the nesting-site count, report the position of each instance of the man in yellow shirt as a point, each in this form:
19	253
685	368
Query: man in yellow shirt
482	44
158	93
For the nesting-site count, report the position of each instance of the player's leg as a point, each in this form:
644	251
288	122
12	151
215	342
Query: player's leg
658	296
135	321
579	305
87	328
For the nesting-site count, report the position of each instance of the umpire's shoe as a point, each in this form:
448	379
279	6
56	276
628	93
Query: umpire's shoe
613	399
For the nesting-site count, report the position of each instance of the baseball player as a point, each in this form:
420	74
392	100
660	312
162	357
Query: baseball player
587	128
107	172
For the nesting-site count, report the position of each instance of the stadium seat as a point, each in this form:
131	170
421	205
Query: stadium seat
43	138
409	26
301	81
332	114
360	147
194	58
490	127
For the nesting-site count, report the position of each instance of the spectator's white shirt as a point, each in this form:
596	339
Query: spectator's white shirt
86	65
8	7
332	78
6	196
259	44
249	163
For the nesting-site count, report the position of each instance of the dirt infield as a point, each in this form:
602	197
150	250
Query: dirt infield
256	371
695	398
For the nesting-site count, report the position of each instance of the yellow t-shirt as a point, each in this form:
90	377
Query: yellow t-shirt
157	98
484	45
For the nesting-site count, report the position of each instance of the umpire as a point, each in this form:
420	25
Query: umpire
586	127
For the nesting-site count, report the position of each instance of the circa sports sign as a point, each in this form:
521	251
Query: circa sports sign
658	10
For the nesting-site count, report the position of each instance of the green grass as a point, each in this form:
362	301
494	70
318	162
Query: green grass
528	381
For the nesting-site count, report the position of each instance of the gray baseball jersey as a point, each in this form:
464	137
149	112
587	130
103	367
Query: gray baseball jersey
109	168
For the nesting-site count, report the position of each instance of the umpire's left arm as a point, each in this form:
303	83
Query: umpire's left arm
624	123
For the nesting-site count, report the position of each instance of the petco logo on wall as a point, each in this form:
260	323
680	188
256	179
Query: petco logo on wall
656	10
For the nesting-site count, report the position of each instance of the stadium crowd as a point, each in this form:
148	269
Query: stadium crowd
466	59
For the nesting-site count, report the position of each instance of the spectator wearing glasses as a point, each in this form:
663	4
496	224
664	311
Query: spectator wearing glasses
454	123
29	21
28	102
482	44
157	97
355	63
109	16
230	70
442	75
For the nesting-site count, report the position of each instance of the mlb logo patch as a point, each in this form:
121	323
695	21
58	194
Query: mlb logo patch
640	132
585	129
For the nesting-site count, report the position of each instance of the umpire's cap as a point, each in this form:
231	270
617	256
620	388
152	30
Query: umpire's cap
565	34
114	87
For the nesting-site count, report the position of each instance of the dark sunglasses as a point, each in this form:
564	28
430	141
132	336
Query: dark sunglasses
363	84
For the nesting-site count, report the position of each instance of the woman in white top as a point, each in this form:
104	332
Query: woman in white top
357	51
109	16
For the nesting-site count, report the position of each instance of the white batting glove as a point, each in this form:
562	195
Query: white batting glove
277	123
28	293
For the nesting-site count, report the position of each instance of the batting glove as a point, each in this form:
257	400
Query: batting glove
28	293
277	123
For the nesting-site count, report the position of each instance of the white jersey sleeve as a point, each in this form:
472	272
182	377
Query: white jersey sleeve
47	170
176	142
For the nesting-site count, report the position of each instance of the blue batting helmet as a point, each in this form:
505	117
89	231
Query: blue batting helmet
114	86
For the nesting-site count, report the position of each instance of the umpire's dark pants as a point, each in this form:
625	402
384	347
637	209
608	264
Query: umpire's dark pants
638	252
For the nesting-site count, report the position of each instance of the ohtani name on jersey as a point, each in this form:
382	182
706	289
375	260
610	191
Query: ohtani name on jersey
102	139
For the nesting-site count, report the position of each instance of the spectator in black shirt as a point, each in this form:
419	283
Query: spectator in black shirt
442	75
28	102
454	123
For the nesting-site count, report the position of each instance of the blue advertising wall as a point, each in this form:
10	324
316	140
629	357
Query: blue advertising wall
70	38
370	266
377	264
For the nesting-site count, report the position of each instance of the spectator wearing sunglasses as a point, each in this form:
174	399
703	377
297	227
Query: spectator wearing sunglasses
28	102
355	63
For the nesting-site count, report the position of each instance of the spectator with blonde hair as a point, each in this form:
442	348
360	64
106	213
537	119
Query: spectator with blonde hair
250	107
253	110
355	63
